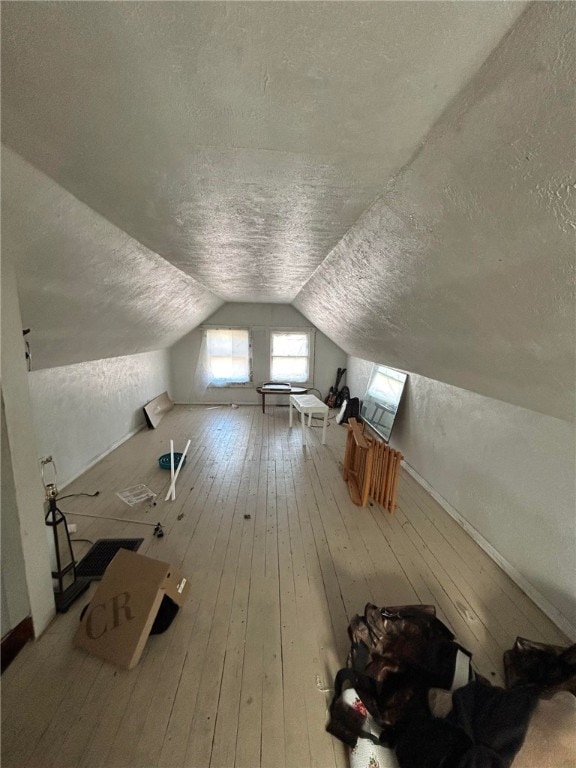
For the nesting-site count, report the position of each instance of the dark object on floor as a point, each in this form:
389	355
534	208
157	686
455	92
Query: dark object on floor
352	410
100	555
164	460
247	517
548	666
426	743
158	531
343	394
397	654
15	640
485	729
418	694
165	616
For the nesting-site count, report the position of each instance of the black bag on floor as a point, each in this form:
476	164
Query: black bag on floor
552	667
343	394
397	654
352	410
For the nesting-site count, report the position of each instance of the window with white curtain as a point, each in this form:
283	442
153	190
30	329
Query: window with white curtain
228	357
290	356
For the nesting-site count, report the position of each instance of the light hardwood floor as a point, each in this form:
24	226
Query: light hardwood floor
242	677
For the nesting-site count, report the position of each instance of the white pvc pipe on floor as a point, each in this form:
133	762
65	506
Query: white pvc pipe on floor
172	489
172	468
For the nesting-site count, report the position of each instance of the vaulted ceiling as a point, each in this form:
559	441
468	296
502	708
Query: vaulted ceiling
364	161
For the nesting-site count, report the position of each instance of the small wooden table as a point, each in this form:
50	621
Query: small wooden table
268	389
309	404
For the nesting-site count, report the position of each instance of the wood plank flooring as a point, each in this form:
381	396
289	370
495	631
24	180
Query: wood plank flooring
279	560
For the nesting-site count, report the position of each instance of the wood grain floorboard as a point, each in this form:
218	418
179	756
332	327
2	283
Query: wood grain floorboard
279	560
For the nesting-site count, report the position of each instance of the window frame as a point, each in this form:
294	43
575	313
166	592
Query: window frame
236	384
310	332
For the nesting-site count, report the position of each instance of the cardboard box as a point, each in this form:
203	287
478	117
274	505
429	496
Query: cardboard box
121	613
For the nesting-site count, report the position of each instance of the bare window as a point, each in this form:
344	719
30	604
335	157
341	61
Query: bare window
228	357
290	355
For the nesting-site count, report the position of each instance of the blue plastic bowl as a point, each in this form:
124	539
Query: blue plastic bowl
164	461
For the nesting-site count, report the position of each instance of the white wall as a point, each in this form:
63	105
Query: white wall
260	318
15	604
77	413
508	471
28	517
83	411
88	290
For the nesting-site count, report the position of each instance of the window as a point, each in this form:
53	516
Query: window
290	355
228	357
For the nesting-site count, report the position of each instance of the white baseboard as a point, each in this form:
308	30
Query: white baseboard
103	454
134	432
211	405
553	613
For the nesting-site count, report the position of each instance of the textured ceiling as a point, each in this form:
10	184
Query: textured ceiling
239	141
374	163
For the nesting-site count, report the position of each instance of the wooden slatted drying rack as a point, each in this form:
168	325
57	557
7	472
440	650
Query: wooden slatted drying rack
371	468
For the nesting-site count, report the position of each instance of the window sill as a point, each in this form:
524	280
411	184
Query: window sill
247	385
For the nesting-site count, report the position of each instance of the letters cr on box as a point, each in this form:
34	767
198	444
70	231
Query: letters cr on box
121	613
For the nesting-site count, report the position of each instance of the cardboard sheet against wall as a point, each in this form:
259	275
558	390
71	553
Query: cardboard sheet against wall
121	613
157	408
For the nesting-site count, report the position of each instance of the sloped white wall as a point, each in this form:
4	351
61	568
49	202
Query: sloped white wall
83	411
507	471
87	290
27	519
260	318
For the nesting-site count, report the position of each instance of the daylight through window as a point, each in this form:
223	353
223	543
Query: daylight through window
228	356
290	356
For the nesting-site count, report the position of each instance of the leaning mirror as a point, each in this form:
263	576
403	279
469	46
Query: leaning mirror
382	399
